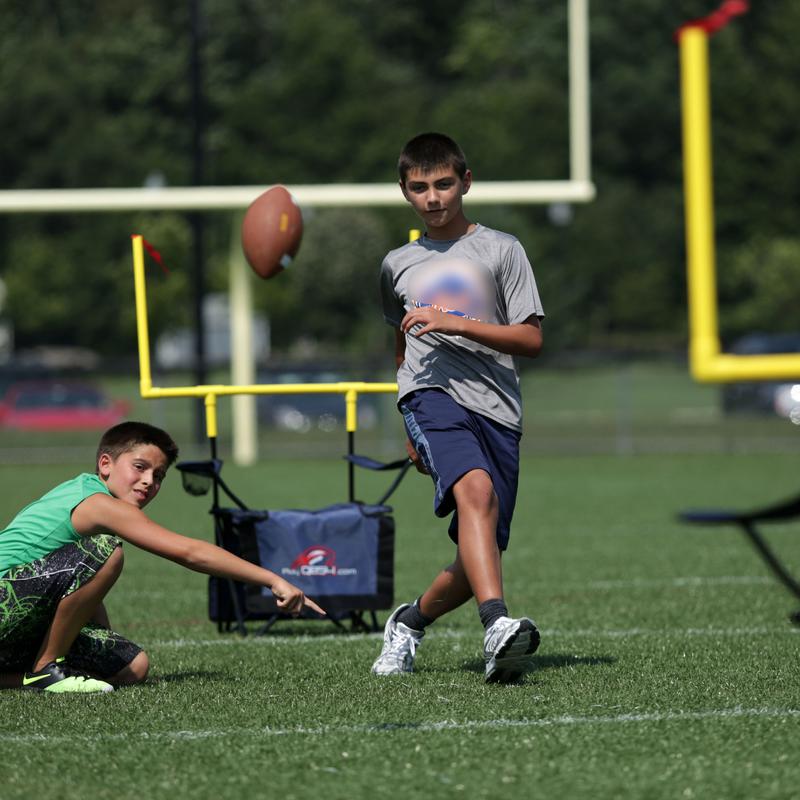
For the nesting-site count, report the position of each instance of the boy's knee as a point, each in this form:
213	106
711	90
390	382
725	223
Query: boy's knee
475	489
115	561
135	672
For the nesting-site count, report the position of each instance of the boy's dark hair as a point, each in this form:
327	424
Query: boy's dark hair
428	151
127	435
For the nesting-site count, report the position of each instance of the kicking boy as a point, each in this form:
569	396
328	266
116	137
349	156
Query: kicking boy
464	303
62	553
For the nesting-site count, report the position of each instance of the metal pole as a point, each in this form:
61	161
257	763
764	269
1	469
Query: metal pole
245	442
579	102
196	219
698	196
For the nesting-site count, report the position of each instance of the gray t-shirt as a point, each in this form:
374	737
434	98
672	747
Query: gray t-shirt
484	275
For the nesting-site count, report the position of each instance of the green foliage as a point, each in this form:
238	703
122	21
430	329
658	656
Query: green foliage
332	284
761	283
98	94
756	107
60	293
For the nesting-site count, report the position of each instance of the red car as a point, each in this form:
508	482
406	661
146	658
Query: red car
59	406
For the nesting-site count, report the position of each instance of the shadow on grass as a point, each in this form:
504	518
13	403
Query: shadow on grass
551	661
289	629
186	675
559	660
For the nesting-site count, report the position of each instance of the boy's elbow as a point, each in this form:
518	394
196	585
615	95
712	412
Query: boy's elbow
530	352
534	352
531	340
533	345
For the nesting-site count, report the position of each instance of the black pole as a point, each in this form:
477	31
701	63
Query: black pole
212	441
351	470
196	219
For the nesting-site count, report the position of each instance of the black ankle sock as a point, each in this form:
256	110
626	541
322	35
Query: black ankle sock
492	610
413	618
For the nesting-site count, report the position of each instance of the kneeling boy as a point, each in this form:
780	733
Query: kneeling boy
61	555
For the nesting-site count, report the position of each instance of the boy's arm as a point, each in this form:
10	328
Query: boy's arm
399	358
399	347
521	339
101	513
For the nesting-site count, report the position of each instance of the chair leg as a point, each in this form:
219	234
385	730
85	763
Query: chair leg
780	572
772	560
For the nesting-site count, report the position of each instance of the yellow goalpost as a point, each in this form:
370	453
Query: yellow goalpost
210	393
707	361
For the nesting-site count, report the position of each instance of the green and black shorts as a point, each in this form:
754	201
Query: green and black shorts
29	595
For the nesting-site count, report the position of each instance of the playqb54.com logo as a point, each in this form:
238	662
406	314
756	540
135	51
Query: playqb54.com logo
317	560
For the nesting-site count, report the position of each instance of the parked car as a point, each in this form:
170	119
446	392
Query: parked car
764	397
303	412
59	405
16	372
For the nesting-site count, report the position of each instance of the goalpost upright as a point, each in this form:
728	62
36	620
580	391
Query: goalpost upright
707	361
576	188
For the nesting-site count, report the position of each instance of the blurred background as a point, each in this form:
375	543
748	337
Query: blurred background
257	92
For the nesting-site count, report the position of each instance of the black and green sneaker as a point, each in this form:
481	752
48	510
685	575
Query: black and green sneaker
59	678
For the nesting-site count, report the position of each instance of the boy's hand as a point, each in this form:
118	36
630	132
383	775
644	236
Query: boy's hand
519	339
291	599
432	321
415	459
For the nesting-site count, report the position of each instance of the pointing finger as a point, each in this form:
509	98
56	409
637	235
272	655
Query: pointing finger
313	606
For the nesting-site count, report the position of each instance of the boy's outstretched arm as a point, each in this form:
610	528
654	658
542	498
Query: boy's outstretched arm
522	339
100	513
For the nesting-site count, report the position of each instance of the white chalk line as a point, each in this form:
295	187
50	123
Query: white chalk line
680	582
415	727
630	583
268	640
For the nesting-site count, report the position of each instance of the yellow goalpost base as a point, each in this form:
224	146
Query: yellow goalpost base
210	393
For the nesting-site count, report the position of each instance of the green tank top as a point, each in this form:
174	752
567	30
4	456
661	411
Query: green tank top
46	524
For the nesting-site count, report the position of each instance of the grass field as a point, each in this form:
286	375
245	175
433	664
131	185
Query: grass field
667	667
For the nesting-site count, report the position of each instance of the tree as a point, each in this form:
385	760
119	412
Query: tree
96	94
333	286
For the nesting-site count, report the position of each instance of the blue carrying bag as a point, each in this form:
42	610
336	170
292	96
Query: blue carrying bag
342	556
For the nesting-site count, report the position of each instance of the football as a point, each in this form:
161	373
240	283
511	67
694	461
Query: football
271	232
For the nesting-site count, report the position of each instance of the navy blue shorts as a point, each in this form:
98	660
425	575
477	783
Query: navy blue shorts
452	440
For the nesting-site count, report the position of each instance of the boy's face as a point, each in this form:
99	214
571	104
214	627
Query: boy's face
136	475
437	195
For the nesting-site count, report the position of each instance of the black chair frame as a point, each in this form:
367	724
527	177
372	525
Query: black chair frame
746	521
200	477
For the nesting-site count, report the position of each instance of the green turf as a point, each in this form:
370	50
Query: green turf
667	668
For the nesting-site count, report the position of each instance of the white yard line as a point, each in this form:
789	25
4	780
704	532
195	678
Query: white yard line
417	727
630	583
269	640
680	582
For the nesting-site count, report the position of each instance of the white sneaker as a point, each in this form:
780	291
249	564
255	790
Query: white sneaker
399	646
508	648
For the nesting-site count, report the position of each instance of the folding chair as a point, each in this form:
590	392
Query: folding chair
747	520
275	539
